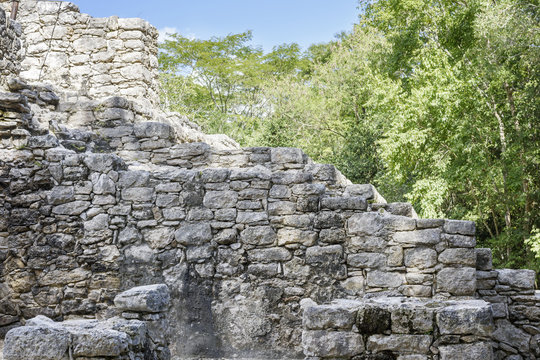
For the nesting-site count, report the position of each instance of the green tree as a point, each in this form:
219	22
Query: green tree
463	139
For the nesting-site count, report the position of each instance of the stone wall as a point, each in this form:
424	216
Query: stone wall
137	335
398	328
85	57
10	49
240	247
96	199
516	308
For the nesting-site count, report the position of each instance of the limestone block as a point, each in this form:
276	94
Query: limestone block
418	237
296	236
291	177
43	142
458	256
459	227
523	279
332	236
269	255
308	189
102	162
61	195
398	223
457	281
283	155
400	343
258	235
98	342
479	350
153	129
412	319
459	241
420	258
484	259
36	343
377	278
202	252
193	234
509	334
71	208
472	317
340	314
104	185
138	194
342	344
324	255
280	192
220	199
366	260
149	298
252	217
365	224
159	237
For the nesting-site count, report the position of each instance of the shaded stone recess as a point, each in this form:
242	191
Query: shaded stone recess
100	194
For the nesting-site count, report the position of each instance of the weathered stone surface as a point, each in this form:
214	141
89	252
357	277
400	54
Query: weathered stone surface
365	224
460	241
459	227
220	199
457	281
509	334
400	343
377	278
523	279
484	259
338	315
61	195
366	260
286	155
36	343
421	258
332	343
102	162
418	237
459	256
158	237
324	255
296	236
472	317
481	350
71	208
149	298
258	235
99	342
269	255
373	319
193	234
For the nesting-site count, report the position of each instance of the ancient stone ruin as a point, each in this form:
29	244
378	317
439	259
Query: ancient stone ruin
127	233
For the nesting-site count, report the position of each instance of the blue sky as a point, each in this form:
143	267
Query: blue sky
273	22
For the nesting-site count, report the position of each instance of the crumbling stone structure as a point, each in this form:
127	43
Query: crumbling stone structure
266	253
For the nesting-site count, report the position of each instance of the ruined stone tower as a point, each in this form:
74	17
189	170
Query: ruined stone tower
255	253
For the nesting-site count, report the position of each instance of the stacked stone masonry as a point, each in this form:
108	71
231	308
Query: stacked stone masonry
96	199
87	57
10	48
137	335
